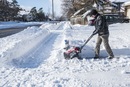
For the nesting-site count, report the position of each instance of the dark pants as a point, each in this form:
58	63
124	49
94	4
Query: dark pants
104	39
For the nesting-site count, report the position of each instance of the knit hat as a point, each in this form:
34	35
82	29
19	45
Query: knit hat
93	12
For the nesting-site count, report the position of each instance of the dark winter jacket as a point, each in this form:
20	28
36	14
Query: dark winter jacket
101	26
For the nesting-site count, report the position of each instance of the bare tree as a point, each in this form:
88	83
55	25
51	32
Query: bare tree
69	7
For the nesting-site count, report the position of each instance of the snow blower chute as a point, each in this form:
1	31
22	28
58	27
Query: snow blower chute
72	52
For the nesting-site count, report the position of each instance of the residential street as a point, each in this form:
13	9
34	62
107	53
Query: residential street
10	31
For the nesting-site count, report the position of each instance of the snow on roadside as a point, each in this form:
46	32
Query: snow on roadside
55	71
18	44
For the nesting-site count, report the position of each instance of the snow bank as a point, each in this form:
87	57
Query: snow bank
19	44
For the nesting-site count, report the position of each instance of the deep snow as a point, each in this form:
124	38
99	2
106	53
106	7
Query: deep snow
34	58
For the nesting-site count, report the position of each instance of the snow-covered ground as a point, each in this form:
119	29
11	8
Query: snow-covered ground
34	58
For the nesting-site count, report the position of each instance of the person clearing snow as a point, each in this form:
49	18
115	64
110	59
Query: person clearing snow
101	28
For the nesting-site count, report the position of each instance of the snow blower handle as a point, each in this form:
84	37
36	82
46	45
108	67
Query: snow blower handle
86	42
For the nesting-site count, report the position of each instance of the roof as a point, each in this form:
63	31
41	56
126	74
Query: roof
126	3
77	12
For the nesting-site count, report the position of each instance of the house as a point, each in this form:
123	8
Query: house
127	8
106	8
103	6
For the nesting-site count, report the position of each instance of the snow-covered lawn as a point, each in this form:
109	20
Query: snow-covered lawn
34	58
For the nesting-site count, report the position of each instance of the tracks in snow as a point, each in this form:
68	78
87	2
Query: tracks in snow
39	53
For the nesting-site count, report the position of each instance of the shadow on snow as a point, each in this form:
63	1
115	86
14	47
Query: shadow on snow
37	55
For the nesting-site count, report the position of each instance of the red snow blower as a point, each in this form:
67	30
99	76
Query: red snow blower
72	52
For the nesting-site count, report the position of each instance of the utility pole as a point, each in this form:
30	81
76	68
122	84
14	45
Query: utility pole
52	10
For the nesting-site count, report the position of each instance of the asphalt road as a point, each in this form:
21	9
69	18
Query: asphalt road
10	31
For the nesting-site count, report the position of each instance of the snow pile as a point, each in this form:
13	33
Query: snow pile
19	44
34	58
